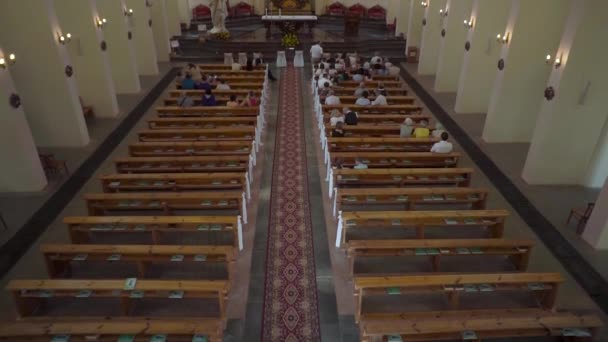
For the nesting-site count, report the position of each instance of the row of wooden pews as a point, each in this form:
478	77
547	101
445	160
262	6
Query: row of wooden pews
428	259
133	269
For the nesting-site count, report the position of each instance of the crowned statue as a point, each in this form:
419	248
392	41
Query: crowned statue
219	12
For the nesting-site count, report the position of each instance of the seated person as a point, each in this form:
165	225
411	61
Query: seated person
380	99
338	131
194	71
392	70
236	66
342	76
359	165
442	146
251	100
332	99
360	89
336	117
204	84
438	131
324	91
249	66
209	99
322	80
363	99
358	76
188	82
180	77
185	101
407	128
380	89
222	85
332	70
350	118
422	131
232	102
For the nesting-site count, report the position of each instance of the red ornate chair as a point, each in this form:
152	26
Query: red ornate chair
377	12
336	9
357	10
392	27
201	12
242	9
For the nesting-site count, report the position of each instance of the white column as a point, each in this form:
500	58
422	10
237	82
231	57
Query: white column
479	64
121	50
515	99
173	18
414	25
185	11
596	230
431	36
569	127
160	29
140	25
392	10
91	63
403	17
48	94
21	170
451	47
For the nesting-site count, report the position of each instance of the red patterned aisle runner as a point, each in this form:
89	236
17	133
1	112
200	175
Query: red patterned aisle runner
290	295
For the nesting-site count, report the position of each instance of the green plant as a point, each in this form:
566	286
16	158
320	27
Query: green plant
290	40
224	35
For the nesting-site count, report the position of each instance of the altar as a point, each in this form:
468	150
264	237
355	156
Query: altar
288	23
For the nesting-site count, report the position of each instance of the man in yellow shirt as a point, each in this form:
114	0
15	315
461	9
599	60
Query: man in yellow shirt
422	131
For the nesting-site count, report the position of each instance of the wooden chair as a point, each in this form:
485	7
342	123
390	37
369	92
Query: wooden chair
582	215
53	166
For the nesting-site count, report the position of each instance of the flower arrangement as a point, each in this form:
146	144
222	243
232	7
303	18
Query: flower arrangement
224	35
290	40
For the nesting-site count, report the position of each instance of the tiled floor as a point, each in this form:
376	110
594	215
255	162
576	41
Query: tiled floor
554	202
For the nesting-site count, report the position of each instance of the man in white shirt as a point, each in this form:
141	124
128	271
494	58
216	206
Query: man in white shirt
332	99
380	99
222	86
363	100
316	52
322	80
442	146
376	60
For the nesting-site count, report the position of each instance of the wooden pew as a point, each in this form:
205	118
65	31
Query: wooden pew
384	119
370	198
210	134
199	92
401	177
199	148
396	159
373	83
112	329
543	286
391	100
125	182
154	228
59	258
253	85
220	100
390	109
211	68
31	295
99	204
392	91
369	131
484	325
207	111
237	163
371	144
435	250
491	222
198	123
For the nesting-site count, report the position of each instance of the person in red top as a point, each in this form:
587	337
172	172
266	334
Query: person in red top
251	100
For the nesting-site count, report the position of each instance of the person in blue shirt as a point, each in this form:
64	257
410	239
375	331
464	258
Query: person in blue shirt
209	99
188	82
205	85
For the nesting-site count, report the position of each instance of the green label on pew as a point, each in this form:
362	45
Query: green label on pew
420	251
202	227
396	222
469	220
216	227
136	294
206	203
536	286
393	291
45	294
80	257
140	227
120	227
351	199
394	338
126	338
468	335
176	294
177	257
450	197
450	221
158	338
200	257
371	198
476	250
575	332
199	338
432	251
470	288
60	338
223	203
130	283
114	257
486	287
84	294
402	198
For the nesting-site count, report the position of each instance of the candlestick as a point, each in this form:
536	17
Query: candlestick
266	11
279	12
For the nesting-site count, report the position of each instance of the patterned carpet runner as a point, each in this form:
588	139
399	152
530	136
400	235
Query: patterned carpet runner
290	297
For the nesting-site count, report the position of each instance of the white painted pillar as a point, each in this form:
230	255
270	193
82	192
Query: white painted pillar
21	170
479	64
121	49
515	99
185	11
173	18
91	63
569	127
414	25
160	30
392	10
140	23
320	7
403	17
596	230
451	47
49	96
431	36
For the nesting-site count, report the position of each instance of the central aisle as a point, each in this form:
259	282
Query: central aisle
290	297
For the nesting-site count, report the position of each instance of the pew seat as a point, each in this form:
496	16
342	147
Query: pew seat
350	90
246	84
400	177
203	134
173	111
369	131
372	144
222	93
386	160
199	148
391	100
384	119
389	109
215	163
198	123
